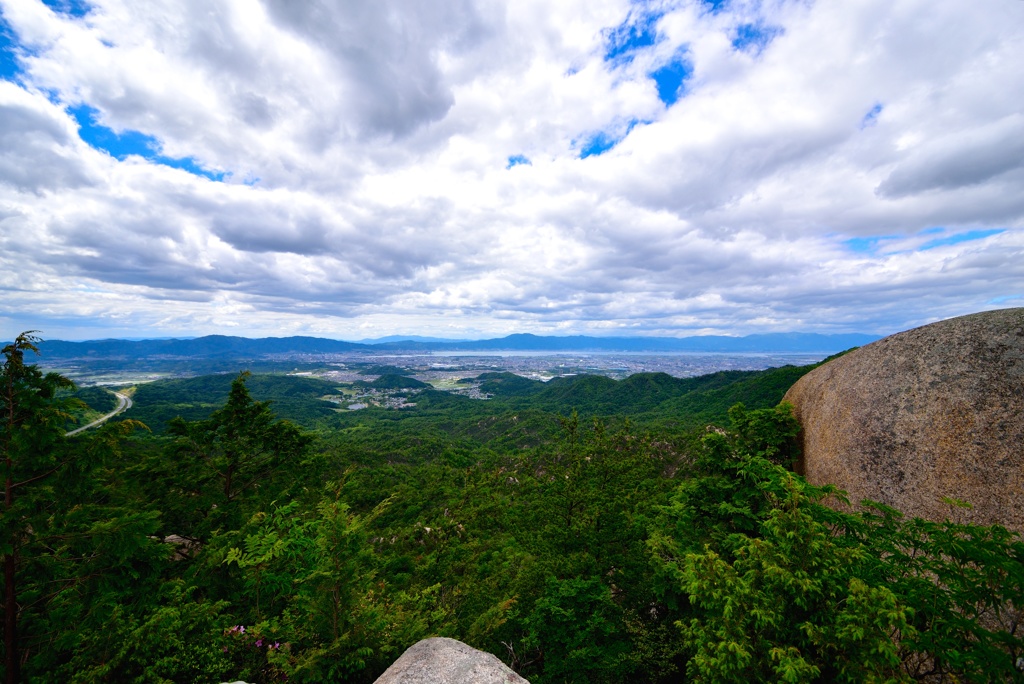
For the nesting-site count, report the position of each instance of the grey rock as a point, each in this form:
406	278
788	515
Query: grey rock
933	412
447	661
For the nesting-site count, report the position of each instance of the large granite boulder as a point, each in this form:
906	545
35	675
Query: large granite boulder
933	412
447	661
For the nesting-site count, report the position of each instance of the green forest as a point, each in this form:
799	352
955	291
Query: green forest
244	527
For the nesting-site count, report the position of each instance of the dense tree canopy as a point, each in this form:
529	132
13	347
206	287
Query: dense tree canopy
239	546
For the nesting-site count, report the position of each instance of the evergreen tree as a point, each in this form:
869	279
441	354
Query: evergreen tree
216	462
32	448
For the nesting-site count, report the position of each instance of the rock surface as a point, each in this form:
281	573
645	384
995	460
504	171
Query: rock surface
933	412
447	661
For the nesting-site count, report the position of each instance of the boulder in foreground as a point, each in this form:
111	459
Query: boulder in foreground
933	412
447	661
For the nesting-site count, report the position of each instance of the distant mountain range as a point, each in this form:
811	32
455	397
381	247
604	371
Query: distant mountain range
407	338
771	342
224	347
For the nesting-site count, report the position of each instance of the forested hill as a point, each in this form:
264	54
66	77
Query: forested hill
296	398
644	393
226	347
647	398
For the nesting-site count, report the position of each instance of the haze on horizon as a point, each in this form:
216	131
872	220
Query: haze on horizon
474	168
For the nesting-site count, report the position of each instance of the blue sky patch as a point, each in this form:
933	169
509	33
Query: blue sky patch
872	245
121	145
715	6
598	145
754	38
605	140
961	237
189	164
73	8
637	32
867	245
671	77
103	138
871	118
9	67
53	95
517	160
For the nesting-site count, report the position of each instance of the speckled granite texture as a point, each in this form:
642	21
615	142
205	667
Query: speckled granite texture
447	661
933	412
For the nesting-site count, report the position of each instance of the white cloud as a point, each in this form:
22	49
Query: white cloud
39	148
380	134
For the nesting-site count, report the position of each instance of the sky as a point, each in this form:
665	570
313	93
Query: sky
475	168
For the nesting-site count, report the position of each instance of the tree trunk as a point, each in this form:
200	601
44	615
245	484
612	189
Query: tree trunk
227	482
11	659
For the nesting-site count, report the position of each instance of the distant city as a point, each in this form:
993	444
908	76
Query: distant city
431	367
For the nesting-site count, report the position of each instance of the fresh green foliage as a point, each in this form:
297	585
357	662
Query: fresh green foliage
965	584
780	587
179	640
790	604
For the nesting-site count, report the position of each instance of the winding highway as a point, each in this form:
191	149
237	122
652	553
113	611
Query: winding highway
124	402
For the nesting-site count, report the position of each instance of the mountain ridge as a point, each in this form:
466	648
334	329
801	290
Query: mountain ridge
223	346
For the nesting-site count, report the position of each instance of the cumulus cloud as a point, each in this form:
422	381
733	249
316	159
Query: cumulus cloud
953	161
750	167
39	148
